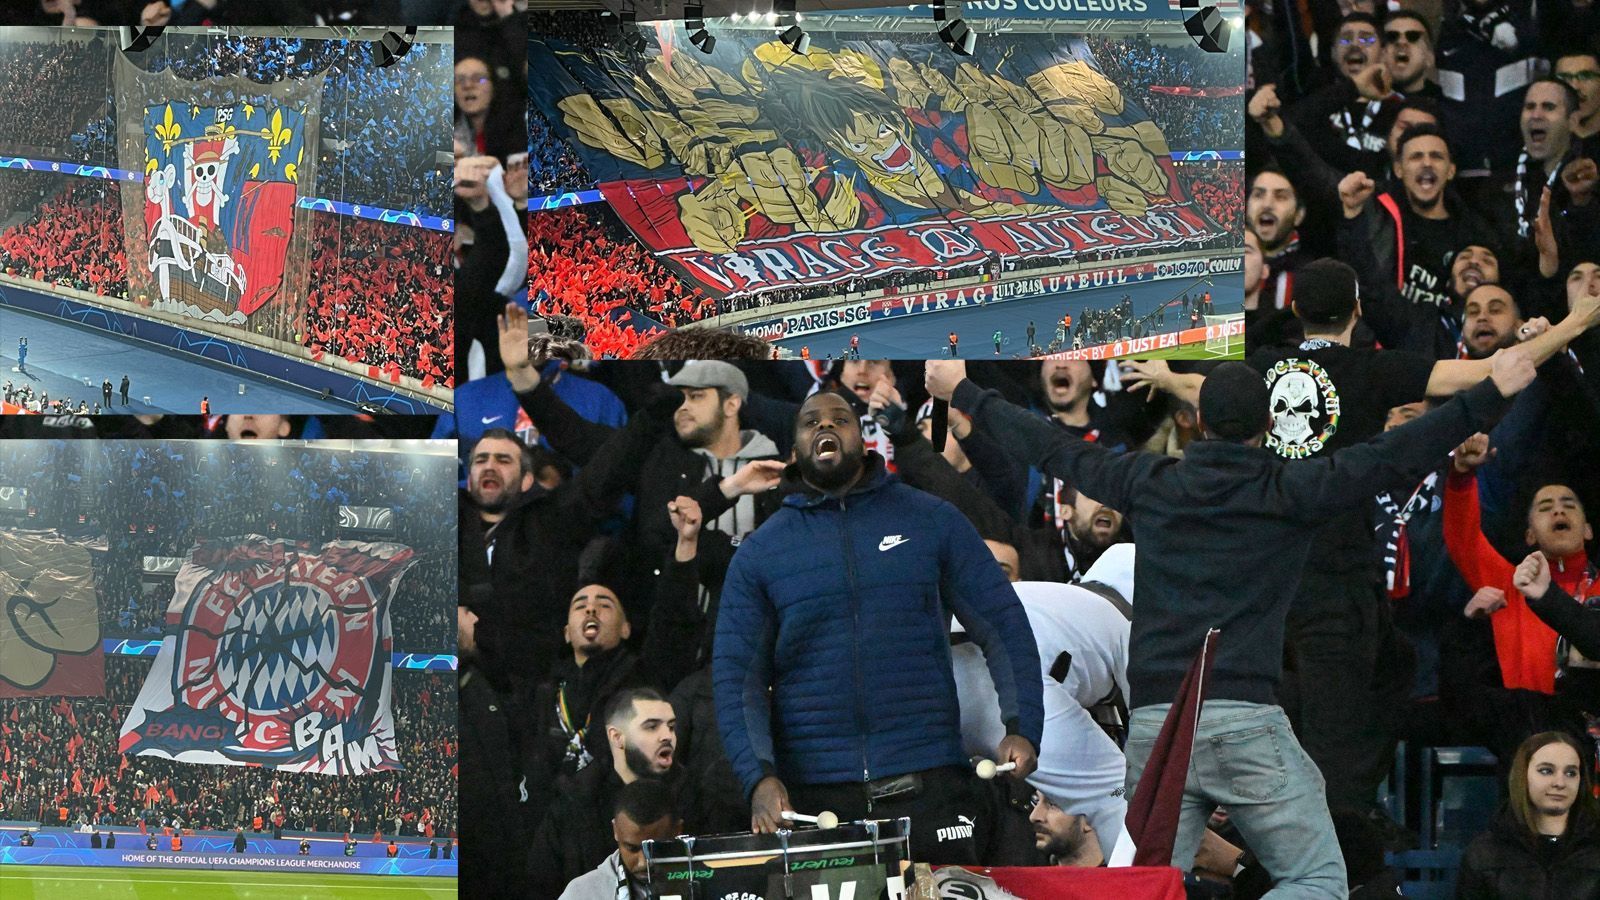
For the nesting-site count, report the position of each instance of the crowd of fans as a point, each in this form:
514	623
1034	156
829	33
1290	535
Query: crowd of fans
72	239
569	282
1138	64
693	590
1386	162
1218	187
584	263
380	296
379	293
60	757
586	269
553	166
494	174
1358	151
50	89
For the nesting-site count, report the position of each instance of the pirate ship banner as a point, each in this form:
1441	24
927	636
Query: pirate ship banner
224	162
277	654
755	168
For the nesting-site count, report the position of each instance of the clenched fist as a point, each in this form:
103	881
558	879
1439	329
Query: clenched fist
1264	107
1355	190
1532	577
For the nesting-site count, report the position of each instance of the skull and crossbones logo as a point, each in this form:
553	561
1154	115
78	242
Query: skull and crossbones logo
1305	408
1294	405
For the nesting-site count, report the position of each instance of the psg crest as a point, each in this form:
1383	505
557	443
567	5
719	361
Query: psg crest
279	656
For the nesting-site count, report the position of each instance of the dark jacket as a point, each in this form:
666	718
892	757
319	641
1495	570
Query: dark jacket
666	656
1506	863
1224	532
522	594
840	608
576	835
718	804
667	470
1375	245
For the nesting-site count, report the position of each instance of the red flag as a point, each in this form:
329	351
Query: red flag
263	222
377	836
1153	815
122	767
396	793
77	781
171	796
141	826
72	717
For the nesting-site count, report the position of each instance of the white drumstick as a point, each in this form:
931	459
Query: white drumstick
987	769
821	820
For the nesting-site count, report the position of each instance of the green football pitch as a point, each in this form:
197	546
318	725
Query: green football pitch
1198	351
52	882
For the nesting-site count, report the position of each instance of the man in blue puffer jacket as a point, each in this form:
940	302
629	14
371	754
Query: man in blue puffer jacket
831	661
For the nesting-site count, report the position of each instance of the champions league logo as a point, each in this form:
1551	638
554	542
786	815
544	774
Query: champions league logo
281	662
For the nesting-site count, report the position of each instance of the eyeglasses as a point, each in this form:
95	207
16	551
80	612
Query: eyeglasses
470	80
1589	75
1412	37
1367	39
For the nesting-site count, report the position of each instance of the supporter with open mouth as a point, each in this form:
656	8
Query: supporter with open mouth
1408	55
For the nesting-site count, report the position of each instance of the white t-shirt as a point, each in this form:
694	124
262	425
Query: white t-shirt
1080	769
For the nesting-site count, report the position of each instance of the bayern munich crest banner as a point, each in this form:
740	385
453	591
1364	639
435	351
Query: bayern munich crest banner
277	654
49	619
754	168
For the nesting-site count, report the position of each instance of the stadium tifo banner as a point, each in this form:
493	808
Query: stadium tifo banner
224	163
278	655
754	168
895	305
49	624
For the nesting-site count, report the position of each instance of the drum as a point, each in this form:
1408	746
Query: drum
865	860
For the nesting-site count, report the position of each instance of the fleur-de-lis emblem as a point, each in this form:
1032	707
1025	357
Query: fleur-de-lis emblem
292	170
168	131
278	137
255	171
249	111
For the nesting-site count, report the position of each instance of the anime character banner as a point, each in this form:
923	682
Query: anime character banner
277	654
224	163
754	168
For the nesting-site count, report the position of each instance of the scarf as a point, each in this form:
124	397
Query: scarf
1523	221
1393	532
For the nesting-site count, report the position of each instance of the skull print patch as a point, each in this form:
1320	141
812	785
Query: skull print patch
1305	408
